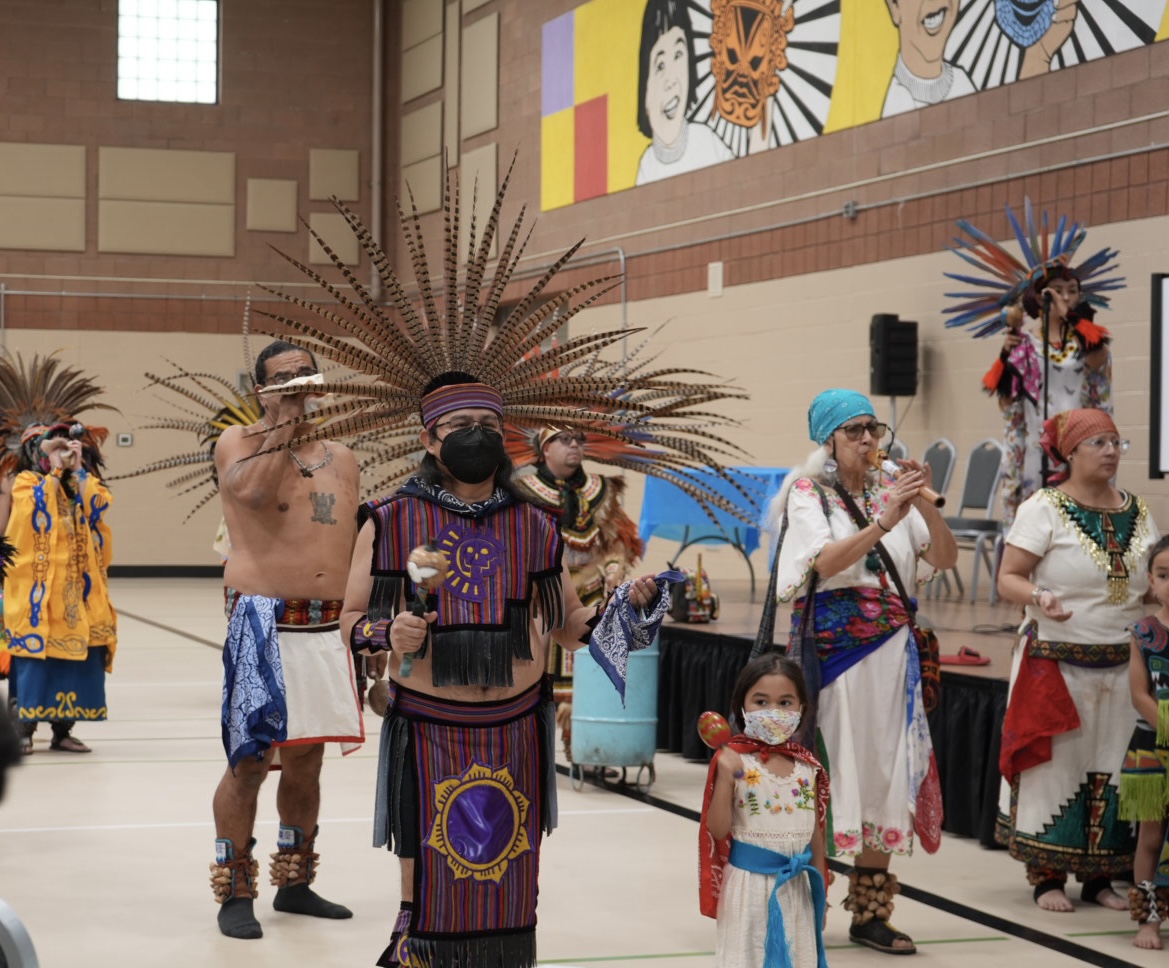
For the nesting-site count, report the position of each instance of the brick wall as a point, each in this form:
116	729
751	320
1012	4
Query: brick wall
295	75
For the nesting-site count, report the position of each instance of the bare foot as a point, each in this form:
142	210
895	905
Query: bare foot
1110	899
1148	936
1056	900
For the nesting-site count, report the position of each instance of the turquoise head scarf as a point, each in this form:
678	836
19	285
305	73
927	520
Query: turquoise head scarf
832	408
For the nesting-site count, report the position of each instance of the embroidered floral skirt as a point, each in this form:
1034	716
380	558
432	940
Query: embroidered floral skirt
862	731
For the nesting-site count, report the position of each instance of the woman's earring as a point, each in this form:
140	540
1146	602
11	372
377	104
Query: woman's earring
830	466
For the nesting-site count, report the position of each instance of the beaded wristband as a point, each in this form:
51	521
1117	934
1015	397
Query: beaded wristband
371	636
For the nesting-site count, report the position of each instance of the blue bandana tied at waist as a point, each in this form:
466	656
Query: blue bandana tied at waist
760	860
255	713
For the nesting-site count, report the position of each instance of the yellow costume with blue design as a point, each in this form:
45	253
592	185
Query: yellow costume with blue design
61	625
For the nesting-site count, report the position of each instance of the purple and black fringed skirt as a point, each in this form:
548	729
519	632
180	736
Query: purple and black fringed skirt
467	790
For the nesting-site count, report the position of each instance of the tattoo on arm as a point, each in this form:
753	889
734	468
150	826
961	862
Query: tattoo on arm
323	507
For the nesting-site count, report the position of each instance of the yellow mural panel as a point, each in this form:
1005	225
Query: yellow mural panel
868	51
608	36
557	147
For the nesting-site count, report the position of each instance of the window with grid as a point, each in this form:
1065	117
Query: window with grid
168	50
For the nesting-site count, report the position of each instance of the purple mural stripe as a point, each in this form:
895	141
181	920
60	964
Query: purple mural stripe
557	88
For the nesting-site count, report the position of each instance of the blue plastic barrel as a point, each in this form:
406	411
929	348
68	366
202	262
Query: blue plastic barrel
605	733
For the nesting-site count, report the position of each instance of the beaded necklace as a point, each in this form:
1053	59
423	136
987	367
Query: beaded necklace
872	559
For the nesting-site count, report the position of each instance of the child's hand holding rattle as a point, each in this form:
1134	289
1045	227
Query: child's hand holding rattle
716	733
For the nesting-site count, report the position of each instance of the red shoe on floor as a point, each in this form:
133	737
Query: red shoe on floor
965	656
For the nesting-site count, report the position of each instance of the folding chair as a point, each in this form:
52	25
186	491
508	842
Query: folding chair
940	457
16	948
899	451
980	534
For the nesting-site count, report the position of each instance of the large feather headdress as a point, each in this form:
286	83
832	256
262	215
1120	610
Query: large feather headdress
203	405
43	392
1004	279
395	351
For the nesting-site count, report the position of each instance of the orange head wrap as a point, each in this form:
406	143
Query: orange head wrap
1064	432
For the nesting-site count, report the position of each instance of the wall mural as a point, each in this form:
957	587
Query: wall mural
638	90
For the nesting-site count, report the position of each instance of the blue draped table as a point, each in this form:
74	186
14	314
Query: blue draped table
670	513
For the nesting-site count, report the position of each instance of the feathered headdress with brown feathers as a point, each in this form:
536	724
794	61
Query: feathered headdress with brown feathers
396	351
42	393
204	405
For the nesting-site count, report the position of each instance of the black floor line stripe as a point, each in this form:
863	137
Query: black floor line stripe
170	628
1051	942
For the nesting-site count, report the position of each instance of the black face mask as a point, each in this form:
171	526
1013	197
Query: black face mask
472	455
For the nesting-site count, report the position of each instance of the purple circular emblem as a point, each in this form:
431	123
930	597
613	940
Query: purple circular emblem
475	556
481	824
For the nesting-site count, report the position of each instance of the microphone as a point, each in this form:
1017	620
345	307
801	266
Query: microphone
1046	298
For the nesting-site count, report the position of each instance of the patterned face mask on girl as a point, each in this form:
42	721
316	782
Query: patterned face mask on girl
771	726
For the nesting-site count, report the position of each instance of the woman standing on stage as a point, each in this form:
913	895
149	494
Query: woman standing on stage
1063	363
1077	373
838	517
1073	558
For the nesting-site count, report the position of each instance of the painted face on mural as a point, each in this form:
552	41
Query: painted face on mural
748	39
924	26
667	88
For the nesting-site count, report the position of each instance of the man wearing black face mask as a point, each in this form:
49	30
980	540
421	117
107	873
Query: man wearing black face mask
466	778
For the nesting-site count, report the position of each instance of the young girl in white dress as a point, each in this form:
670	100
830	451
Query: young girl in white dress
761	846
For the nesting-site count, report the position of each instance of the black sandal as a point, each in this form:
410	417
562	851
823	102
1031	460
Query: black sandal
880	936
68	744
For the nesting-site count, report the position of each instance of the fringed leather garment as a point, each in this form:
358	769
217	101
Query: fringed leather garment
503	553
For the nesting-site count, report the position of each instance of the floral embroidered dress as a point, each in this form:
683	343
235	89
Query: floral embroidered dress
779	814
1072	385
875	741
1069	713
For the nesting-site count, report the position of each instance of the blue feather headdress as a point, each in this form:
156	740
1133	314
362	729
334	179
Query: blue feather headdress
1004	279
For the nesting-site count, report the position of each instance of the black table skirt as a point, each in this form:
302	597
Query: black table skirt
698	670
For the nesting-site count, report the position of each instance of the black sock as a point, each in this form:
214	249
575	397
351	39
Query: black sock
236	919
301	899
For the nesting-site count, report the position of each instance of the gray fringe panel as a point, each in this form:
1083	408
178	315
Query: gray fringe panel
546	727
511	950
385	598
392	770
550	595
482	656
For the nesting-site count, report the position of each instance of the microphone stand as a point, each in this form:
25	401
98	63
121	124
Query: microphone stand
1044	460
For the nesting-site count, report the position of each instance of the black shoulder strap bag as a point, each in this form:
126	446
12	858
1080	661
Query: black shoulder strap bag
927	642
802	646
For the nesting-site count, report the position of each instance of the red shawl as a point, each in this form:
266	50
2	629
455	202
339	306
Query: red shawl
713	854
1041	707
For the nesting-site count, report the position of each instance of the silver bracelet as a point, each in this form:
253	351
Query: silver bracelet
1036	592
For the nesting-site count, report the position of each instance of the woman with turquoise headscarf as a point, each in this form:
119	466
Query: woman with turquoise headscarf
851	540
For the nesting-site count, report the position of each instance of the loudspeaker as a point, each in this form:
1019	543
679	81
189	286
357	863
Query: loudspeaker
892	356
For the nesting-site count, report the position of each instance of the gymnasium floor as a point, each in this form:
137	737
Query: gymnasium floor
105	856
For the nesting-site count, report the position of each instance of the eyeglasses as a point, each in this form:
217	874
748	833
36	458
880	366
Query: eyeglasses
568	438
858	430
1102	444
454	425
279	379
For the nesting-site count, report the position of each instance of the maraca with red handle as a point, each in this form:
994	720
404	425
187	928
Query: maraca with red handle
428	568
714	729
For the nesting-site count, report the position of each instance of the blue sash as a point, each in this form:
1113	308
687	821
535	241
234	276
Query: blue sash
760	860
